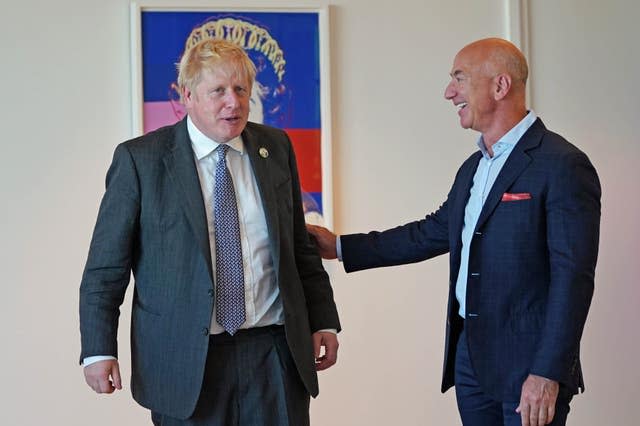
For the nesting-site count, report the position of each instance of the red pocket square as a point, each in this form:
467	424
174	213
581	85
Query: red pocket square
516	196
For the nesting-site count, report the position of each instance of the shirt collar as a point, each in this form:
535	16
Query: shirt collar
203	145
511	138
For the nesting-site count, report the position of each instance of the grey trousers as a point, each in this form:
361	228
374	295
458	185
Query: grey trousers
250	380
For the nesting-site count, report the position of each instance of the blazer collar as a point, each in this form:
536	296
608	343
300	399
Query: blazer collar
460	199
517	162
261	155
180	164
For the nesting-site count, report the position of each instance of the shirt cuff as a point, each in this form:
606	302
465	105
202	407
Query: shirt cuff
339	248
328	330
93	359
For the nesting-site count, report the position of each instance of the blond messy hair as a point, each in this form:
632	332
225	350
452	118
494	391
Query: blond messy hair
212	55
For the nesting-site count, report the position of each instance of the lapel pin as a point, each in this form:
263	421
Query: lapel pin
263	152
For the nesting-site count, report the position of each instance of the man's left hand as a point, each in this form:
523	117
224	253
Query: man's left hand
329	341
538	400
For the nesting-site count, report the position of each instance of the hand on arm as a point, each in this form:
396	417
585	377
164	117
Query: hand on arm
538	401
325	241
103	376
329	341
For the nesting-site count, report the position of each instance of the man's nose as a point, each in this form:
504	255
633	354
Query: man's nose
449	91
232	99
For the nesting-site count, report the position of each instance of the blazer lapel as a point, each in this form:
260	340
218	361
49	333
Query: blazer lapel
180	164
459	202
261	168
514	166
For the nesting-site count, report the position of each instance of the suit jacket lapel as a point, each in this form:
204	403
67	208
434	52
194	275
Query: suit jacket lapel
459	202
516	163
180	164
261	169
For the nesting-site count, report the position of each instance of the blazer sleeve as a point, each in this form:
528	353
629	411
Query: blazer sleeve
413	242
108	268
573	223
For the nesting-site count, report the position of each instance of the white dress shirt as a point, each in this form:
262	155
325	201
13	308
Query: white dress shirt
263	305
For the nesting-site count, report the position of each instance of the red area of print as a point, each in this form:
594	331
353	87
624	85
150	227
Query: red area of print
306	144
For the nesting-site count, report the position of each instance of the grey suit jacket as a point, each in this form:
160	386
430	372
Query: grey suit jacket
152	222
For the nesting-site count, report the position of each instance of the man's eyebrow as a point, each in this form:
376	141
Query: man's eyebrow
456	73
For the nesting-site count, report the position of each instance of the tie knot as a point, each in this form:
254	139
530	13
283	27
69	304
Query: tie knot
222	151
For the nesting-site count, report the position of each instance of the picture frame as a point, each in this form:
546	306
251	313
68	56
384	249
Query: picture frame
290	49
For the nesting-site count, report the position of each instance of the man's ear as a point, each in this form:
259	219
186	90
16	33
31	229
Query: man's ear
186	95
502	86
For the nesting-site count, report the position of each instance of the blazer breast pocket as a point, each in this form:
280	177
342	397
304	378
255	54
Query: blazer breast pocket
518	210
170	220
164	211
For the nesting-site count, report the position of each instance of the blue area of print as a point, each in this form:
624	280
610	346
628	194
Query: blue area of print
292	103
312	202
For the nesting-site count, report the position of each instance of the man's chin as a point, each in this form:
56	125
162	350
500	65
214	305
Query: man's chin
464	124
232	131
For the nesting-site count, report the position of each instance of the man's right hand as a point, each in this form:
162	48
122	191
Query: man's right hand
103	376
325	240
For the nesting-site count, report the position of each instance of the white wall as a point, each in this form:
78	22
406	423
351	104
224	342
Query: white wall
65	81
585	62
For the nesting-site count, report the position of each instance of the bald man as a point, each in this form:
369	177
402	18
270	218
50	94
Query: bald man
521	226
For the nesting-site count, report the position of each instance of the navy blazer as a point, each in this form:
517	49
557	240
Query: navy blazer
152	222
531	263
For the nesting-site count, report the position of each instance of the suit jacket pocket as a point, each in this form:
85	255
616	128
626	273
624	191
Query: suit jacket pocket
513	219
144	309
527	322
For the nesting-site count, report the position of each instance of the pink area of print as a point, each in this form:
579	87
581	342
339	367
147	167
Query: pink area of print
159	114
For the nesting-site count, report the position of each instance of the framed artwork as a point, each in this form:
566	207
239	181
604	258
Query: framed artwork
290	50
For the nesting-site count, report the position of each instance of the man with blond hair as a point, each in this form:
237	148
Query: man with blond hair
232	310
521	226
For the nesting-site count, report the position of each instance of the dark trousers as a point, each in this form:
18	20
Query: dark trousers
250	380
478	409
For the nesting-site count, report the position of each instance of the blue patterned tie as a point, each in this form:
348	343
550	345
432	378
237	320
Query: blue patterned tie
230	311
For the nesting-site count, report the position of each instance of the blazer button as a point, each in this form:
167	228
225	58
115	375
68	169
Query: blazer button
210	292
205	331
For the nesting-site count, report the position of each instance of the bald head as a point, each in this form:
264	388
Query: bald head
496	56
488	80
